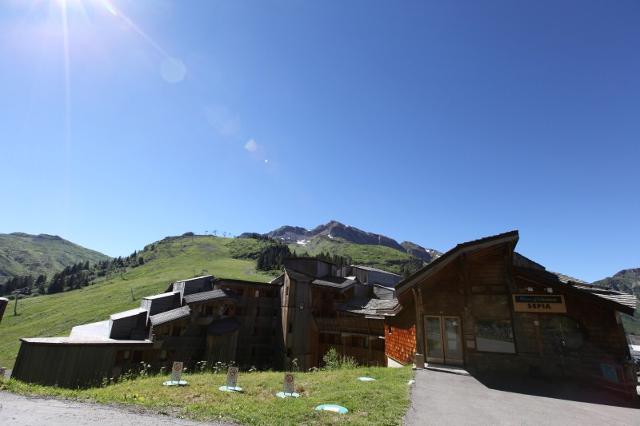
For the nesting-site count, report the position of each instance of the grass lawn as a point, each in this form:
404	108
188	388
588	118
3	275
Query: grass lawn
382	402
170	260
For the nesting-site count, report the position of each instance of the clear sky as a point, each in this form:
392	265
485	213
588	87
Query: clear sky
435	122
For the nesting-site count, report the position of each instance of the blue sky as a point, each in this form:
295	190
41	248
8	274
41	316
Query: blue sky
435	122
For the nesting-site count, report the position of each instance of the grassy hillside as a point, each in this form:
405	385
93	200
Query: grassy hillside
165	261
363	254
25	254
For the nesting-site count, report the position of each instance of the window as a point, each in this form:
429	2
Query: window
495	336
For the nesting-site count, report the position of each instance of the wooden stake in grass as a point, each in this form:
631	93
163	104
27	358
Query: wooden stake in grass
16	294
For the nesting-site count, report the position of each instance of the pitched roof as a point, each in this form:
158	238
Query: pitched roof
370	307
369	268
334	282
207	295
298	276
622	302
383	292
83	341
618	297
161	295
168	316
279	280
126	314
446	258
232	281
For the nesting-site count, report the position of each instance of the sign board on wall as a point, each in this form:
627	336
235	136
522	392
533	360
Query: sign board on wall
176	371
539	303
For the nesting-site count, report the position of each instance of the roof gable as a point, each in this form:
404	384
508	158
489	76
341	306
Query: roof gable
510	237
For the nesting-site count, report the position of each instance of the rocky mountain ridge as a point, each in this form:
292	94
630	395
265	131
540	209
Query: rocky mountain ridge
339	231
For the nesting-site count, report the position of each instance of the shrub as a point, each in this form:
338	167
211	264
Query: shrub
334	361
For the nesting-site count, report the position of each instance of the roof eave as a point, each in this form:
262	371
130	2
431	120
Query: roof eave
449	256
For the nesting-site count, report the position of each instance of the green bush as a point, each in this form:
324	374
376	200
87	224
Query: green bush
334	361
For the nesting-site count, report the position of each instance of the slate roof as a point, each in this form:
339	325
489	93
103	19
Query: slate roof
383	292
369	268
623	302
618	297
370	307
168	316
334	282
567	279
207	295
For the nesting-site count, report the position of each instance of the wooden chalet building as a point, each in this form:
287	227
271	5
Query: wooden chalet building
314	305
483	306
199	319
326	306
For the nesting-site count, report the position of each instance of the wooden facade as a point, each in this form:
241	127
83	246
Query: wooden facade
318	312
77	363
400	335
484	307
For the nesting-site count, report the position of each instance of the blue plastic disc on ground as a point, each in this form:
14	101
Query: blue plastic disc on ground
287	395
230	388
175	383
333	408
366	379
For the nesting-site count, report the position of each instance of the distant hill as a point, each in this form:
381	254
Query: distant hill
628	281
26	254
362	247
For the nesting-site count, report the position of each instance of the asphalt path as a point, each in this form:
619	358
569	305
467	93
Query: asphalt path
440	398
18	410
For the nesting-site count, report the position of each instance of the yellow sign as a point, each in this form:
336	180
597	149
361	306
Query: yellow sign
539	303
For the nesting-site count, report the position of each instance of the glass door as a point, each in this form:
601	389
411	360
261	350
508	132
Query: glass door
433	332
443	340
453	341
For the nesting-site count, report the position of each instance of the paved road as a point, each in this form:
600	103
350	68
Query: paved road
16	410
440	398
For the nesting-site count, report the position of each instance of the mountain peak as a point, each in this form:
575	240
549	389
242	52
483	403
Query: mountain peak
336	230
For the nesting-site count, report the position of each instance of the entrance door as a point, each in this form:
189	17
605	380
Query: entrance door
443	338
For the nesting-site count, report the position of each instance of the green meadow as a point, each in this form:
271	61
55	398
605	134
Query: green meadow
381	402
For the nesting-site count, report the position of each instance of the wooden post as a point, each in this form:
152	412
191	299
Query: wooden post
420	347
